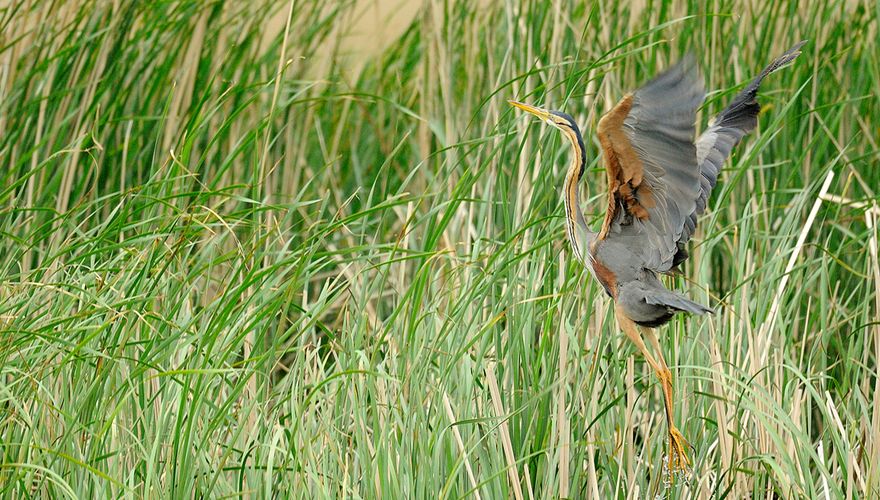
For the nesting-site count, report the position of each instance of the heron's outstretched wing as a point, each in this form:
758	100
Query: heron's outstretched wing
651	163
726	130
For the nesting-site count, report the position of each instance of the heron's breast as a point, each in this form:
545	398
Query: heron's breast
602	272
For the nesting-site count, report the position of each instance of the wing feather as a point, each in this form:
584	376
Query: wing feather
715	144
651	162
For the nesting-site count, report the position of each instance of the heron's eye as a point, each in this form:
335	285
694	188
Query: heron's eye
549	121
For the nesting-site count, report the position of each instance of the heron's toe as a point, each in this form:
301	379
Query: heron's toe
677	465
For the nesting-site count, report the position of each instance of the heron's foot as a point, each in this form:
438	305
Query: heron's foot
676	463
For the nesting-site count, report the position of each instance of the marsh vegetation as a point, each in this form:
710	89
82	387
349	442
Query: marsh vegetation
236	263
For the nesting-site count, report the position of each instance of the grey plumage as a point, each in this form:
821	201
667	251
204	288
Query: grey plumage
680	175
660	127
648	303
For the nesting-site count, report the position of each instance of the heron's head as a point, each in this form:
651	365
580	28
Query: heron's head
556	119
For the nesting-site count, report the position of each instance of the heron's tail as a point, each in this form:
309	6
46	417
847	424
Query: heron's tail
677	301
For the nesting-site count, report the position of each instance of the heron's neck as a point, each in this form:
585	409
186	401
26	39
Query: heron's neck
578	233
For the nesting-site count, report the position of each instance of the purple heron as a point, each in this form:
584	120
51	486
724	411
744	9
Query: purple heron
659	180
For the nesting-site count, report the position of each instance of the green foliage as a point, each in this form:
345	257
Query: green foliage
230	268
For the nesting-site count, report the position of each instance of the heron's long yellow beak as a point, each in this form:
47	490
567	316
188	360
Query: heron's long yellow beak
543	114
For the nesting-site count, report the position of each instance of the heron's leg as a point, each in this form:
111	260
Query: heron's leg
678	459
663	373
